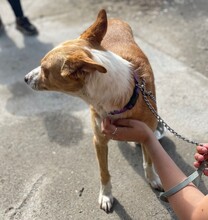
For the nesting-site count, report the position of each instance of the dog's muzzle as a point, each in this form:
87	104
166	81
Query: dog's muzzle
32	77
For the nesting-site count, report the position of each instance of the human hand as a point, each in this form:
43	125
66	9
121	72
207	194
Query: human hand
200	156
126	130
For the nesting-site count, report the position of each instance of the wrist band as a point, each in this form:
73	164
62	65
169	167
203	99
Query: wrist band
163	196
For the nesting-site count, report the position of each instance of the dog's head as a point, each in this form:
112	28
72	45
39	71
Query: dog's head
65	67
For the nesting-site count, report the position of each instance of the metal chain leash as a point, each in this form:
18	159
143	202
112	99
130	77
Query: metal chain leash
146	94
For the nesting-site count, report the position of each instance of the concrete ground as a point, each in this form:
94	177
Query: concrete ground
48	169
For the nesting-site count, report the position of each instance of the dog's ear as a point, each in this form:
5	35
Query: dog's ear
84	66
97	30
90	65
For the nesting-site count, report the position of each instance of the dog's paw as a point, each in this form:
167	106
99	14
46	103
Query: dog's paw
155	183
106	202
153	178
105	197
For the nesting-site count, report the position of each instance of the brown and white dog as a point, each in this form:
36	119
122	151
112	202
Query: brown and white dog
99	67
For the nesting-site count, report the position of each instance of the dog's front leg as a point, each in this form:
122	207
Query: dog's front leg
101	147
105	196
149	170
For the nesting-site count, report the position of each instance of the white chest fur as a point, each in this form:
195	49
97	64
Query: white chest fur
112	90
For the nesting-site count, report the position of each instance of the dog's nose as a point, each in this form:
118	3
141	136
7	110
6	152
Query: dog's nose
26	79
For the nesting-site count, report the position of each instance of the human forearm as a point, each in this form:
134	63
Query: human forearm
164	165
186	200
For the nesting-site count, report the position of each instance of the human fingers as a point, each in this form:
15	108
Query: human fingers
105	123
198	157
107	127
116	133
202	149
197	164
206	172
126	130
123	122
110	130
129	123
120	133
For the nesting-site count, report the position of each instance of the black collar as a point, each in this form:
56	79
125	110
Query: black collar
132	100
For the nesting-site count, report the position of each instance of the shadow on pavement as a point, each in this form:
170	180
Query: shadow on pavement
120	211
63	128
17	60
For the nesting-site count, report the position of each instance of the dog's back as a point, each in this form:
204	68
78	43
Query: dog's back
120	40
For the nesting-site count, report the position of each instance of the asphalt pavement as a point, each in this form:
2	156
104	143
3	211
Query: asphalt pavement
48	168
